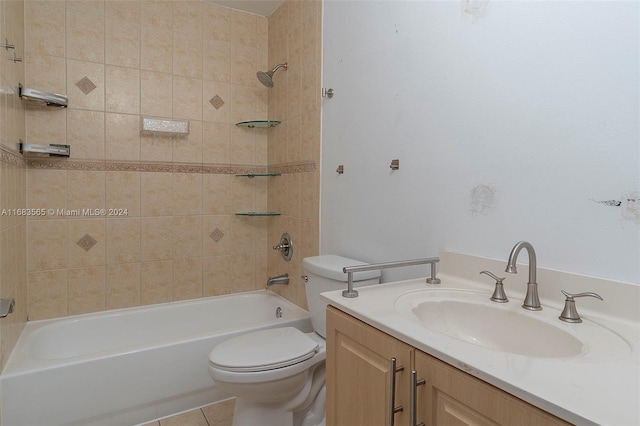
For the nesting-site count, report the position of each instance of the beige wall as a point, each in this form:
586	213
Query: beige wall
294	146
13	282
168	59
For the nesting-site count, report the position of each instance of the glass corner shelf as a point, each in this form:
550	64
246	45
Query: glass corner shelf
255	214
258	124
253	175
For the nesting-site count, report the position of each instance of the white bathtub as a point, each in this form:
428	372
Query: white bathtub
129	366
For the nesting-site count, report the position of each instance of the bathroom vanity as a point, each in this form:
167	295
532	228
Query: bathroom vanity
411	353
359	363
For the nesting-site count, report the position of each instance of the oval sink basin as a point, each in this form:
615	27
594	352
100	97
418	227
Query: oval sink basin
498	329
469	316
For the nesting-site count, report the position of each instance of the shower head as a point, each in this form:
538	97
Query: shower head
266	78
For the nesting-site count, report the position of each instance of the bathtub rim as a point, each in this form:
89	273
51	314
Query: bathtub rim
20	361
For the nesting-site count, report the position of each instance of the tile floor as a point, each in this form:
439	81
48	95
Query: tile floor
220	414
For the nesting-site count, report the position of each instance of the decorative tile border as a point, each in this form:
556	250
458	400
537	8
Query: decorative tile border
53	163
11	156
301	167
131	166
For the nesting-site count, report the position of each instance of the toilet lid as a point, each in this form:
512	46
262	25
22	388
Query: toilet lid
263	350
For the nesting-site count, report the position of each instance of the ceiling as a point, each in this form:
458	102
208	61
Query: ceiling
258	7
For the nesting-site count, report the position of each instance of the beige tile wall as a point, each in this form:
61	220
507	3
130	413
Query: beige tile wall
295	36
162	59
13	283
117	61
13	253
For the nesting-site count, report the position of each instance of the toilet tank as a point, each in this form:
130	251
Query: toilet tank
324	273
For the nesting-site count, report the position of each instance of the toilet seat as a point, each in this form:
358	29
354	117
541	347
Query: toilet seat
263	350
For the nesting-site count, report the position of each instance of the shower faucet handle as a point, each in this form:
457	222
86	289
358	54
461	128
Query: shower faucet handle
285	247
281	247
498	296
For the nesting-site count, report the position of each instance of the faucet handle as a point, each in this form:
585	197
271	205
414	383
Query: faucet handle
498	295
570	313
285	247
492	275
590	294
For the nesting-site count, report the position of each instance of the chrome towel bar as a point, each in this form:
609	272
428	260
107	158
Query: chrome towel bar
349	270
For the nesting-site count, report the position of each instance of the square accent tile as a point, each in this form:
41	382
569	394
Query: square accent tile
216	235
216	101
87	242
86	85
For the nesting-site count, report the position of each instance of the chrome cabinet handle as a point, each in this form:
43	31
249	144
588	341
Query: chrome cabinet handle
414	398
392	392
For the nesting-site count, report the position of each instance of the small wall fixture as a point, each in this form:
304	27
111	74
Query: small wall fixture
49	99
7	45
340	169
285	247
395	165
156	126
51	149
6	307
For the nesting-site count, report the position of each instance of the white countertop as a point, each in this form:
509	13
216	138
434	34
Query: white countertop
601	386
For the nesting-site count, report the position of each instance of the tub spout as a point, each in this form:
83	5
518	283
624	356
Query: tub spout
280	279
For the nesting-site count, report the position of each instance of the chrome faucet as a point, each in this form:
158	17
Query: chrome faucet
531	300
280	279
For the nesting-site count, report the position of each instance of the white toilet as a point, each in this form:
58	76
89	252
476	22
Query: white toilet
278	375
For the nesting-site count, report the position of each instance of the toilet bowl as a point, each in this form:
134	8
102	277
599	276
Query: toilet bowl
278	375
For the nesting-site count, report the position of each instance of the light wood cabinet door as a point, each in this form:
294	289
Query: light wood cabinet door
453	397
359	373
